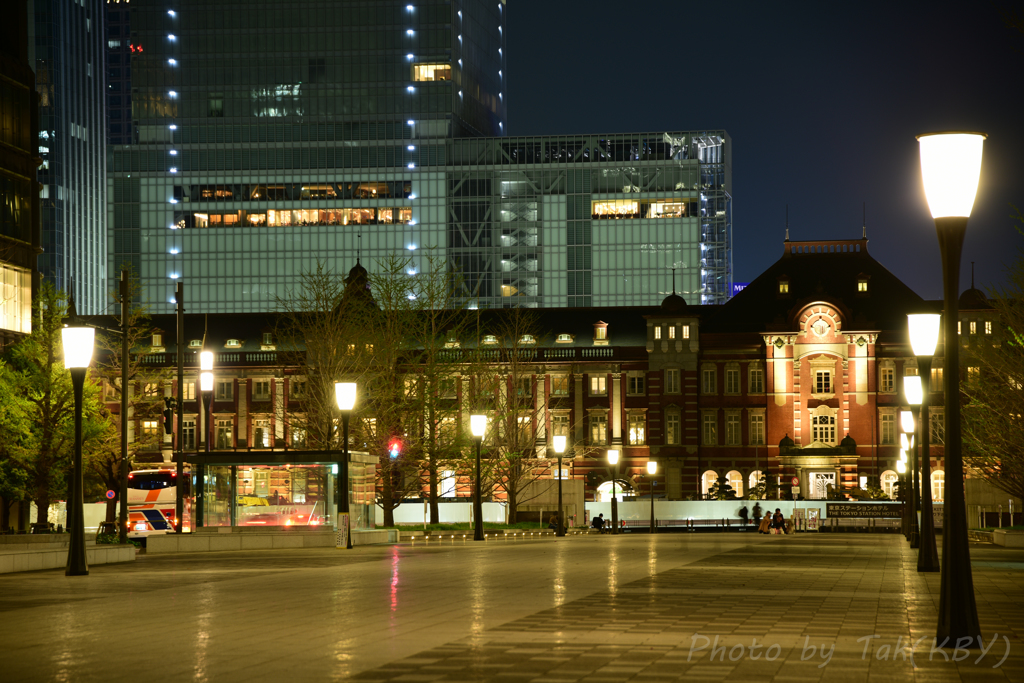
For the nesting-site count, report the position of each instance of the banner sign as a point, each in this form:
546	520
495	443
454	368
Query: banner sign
864	510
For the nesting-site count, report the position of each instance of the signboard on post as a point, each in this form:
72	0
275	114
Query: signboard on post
341	538
795	481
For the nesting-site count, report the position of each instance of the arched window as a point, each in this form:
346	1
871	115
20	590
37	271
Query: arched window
888	480
707	481
938	486
735	480
753	480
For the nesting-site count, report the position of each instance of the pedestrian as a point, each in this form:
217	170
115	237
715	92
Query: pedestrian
553	522
757	511
779	522
766	523
598	523
744	516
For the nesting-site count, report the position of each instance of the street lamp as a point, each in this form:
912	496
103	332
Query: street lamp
478	425
907	423
950	168
901	469
345	396
206	396
924	336
652	469
559	443
613	459
78	345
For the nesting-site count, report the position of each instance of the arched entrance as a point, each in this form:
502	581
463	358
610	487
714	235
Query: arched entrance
622	488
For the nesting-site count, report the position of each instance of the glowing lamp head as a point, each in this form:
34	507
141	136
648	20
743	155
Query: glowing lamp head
906	441
912	388
559	443
652	467
78	344
345	395
907	421
478	425
613	456
901	467
206	381
950	167
206	361
924	332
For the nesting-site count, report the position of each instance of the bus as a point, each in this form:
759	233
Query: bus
152	498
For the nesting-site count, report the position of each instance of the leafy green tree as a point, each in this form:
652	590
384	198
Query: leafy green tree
45	385
14	436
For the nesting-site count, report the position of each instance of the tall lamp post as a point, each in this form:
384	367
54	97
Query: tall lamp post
206	397
901	469
78	345
652	469
613	459
559	443
924	336
950	168
908	422
345	395
478	425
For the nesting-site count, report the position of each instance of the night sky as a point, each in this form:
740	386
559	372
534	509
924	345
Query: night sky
822	103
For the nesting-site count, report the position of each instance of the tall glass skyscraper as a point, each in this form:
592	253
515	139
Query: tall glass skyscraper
270	136
66	39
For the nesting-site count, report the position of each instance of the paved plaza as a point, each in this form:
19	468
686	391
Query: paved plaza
736	606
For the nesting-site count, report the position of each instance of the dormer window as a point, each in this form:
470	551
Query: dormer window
267	342
195	343
158	339
601	333
233	344
563	339
527	339
489	340
862	284
451	342
784	285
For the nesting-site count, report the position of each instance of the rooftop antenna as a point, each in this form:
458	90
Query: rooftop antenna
787	222
72	311
673	269
359	245
864	209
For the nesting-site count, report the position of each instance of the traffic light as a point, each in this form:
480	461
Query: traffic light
395	447
168	415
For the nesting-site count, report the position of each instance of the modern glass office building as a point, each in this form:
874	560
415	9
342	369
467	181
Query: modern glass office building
66	40
269	136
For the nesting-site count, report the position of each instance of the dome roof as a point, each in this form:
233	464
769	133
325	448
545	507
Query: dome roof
673	303
786	442
973	299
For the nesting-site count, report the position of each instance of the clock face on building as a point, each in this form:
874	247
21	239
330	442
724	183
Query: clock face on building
820	322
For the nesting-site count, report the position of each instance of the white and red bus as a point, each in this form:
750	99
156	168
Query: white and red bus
152	497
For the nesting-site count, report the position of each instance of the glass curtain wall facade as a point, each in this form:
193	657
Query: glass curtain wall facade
119	47
300	116
66	38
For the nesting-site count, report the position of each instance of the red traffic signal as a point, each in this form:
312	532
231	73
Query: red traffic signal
395	447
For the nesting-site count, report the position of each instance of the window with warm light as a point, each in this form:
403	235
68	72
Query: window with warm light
862	285
261	437
188	433
988	327
783	286
637	429
936	379
149	429
887	379
671	331
938	486
431	72
823	428
823	381
189	394
888	481
224	431
560	425
686	331
598	430
657	332
974	327
560	385
598	385
158	339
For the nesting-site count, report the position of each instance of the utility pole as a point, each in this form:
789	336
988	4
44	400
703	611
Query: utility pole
122	515
179	503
